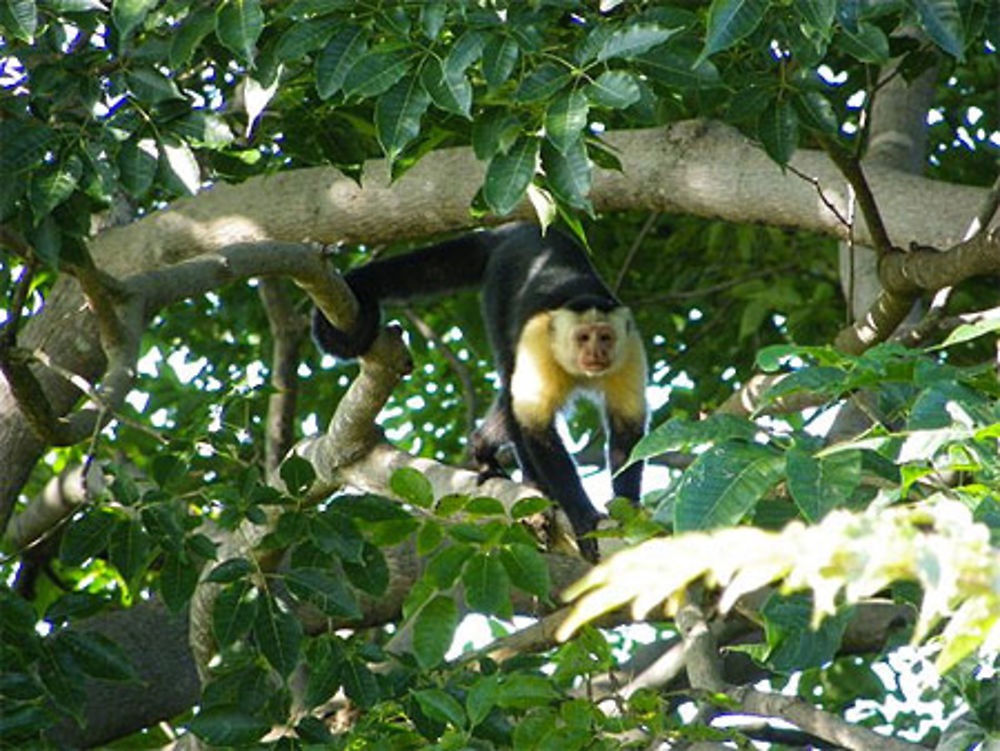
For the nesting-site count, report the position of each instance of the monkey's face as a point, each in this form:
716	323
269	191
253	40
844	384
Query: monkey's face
590	343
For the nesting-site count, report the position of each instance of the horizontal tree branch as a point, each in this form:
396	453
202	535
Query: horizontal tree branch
696	167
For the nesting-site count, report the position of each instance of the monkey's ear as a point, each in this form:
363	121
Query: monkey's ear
346	345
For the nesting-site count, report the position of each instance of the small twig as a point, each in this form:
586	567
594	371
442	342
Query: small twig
464	376
814	181
636	244
716	288
850	168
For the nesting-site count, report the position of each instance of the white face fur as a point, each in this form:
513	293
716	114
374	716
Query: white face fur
590	344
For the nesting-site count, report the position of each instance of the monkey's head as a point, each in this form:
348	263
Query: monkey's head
590	342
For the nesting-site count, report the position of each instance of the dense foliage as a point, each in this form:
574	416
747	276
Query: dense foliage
110	111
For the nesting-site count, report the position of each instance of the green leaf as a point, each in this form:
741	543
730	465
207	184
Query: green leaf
151	87
298	475
508	175
529	507
193	30
724	483
482	697
63	681
17	622
326	662
338	57
46	239
20	20
230	570
337	534
429	537
970	331
278	634
377	71
441	706
445	567
23	721
432	17
137	162
868	44
228	726
616	89
565	119
467	49
821	485
778	130
794	644
520	691
543	83
323	590
304	37
680	434
178	579
412	487
97	655
238	26
729	21
371	574
450	90
816	112
485	506
234	611
493	131
86	537
942	20
179	168
433	631
527	569
23	143
568	174
128	548
71	606
633	41
77	6
818	16
359	683
499	58
127	15
679	68
53	184
819	380
487	586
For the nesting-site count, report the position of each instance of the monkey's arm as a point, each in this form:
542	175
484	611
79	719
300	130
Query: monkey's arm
622	437
625	409
547	464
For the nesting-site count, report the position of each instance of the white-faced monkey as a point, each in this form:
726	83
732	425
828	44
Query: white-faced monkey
555	330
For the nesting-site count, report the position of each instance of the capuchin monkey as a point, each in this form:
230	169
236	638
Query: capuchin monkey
555	330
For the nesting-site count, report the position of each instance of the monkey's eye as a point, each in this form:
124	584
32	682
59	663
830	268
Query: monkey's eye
583	337
607	338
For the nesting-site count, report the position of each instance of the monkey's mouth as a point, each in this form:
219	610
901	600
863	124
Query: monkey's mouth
594	367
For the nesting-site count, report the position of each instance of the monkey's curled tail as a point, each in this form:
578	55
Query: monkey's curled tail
435	270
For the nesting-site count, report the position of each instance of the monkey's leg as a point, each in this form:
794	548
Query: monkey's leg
547	464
